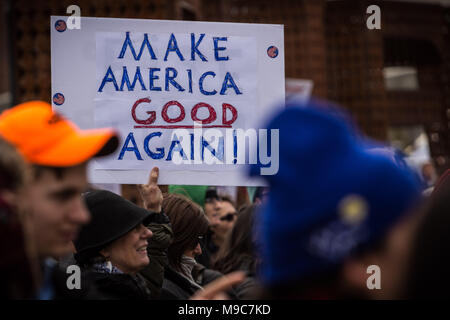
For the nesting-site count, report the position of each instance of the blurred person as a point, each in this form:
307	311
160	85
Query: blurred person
334	210
58	153
443	180
162	237
14	174
210	206
112	247
17	255
260	195
210	209
425	275
189	224
184	276
238	253
429	177
221	214
224	218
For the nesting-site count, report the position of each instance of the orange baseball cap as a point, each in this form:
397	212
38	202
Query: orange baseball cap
44	137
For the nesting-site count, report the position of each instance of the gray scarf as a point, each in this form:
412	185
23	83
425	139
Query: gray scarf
187	264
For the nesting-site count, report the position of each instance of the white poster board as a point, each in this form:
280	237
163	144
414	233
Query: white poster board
176	91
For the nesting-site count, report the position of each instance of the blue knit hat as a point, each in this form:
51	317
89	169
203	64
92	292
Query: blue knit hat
330	198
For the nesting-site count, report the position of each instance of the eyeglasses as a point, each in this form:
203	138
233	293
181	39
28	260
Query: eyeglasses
228	217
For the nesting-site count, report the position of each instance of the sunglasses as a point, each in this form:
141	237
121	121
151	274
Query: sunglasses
228	217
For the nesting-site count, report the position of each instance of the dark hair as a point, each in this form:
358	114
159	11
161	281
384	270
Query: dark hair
226	198
13	168
17	264
239	245
425	277
58	172
188	224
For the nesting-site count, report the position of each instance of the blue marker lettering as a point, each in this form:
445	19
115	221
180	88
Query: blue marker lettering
228	82
217	48
173	46
194	47
160	151
109	77
134	148
200	83
170	79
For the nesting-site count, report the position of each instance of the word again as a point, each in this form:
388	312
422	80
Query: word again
209	146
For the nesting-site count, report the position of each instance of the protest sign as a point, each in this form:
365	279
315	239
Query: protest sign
188	97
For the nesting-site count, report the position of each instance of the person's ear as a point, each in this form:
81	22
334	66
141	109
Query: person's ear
9	197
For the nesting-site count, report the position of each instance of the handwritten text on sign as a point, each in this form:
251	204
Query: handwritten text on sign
152	84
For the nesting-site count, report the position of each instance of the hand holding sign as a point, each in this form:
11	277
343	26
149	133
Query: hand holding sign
151	194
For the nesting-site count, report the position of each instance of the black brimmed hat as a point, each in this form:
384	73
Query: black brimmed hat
111	218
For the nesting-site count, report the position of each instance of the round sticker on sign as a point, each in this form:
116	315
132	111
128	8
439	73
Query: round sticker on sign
272	52
60	26
58	99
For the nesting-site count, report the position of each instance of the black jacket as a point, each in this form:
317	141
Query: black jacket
175	286
203	276
249	288
100	286
120	286
88	289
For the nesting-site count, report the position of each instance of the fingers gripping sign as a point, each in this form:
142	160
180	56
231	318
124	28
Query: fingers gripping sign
151	194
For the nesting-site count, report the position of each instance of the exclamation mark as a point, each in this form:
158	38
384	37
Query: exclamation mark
192	146
234	147
190	79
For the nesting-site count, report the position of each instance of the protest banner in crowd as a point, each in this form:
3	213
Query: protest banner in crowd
188	97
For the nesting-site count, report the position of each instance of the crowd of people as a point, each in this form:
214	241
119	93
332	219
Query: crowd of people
344	217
